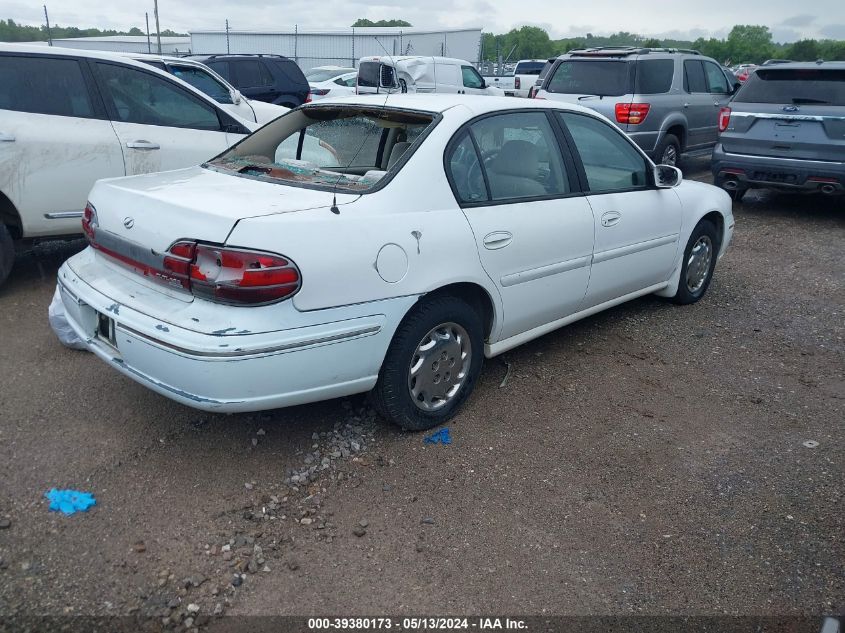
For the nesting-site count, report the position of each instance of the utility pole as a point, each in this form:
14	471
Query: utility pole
149	44
227	37
158	28
49	35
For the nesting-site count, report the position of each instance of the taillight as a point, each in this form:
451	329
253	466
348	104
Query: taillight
178	261
516	83
724	119
89	222
308	97
632	113
241	277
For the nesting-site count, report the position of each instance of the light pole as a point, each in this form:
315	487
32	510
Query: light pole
158	28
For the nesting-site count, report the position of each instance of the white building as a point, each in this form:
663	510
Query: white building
341	47
128	44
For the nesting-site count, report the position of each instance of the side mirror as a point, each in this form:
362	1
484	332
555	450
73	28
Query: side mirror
236	96
666	176
483	83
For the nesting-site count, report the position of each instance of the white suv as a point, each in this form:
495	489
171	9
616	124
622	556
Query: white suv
71	117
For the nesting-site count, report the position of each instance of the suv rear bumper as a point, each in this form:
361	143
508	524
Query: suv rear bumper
743	171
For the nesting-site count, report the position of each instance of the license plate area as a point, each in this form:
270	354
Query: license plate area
768	176
106	330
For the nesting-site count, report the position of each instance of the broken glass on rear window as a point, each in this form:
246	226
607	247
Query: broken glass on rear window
349	148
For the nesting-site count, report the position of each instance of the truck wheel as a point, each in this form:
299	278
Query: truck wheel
7	253
668	152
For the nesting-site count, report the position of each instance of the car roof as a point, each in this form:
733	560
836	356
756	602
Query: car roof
438	103
161	58
412	58
803	66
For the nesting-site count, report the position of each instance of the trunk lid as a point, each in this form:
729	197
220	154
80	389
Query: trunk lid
155	210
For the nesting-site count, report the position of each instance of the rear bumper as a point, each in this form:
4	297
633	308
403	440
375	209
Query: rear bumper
322	355
743	171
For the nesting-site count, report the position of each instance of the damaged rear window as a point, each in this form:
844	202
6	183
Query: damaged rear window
350	148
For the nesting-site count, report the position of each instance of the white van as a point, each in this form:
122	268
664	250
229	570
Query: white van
421	74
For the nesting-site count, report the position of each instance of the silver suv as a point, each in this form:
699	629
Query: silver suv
666	100
785	129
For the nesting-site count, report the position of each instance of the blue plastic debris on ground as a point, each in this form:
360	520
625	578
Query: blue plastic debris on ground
70	501
439	437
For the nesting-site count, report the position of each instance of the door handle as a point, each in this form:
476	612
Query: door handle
497	240
686	105
610	218
141	144
6	138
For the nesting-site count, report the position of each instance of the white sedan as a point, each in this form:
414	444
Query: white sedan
331	81
445	229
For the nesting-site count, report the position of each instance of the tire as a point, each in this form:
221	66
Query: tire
422	401
694	283
7	253
669	145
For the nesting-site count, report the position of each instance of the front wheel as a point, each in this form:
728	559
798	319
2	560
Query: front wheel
699	262
7	253
432	364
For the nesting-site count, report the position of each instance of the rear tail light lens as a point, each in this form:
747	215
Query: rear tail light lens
242	277
632	113
724	119
89	222
308	97
516	83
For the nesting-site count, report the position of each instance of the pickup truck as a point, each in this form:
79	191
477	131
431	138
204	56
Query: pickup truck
519	83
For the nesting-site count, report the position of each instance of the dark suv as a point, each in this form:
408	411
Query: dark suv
666	100
271	78
785	129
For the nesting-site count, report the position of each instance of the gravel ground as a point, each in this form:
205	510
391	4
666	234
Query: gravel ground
652	459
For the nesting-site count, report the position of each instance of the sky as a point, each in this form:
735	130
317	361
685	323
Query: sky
681	19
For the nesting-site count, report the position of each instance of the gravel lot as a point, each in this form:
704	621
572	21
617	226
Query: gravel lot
648	460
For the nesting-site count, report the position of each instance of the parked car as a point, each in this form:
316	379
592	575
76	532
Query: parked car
446	230
743	71
421	74
69	117
206	80
785	129
332	81
271	78
532	92
667	100
519	82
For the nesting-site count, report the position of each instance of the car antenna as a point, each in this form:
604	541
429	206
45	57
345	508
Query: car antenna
334	208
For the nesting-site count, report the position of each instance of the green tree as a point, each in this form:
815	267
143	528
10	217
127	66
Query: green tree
750	44
364	22
804	51
652	43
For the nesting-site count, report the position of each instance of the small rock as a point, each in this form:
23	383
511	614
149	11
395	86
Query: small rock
193	608
420	547
248	486
266	569
359	531
363	523
189	622
306	521
5	523
293	565
255	441
237	581
261	432
428	521
218	609
174	603
140	547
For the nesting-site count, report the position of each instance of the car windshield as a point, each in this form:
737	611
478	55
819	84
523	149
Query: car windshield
316	76
810	86
347	148
604	78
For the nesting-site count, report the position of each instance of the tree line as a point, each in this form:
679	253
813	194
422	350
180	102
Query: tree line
10	31
744	44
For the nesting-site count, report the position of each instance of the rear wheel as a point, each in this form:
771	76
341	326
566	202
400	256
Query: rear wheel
7	253
699	262
432	364
668	152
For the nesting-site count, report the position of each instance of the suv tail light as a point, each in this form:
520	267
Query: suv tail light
308	97
632	113
724	119
516	83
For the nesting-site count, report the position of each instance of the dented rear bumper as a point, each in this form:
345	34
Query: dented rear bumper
316	356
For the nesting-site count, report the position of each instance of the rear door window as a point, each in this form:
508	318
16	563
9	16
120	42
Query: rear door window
811	86
251	73
654	76
44	85
203	81
221	68
717	83
606	78
694	80
141	97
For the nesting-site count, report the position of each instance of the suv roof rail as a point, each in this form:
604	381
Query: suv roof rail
628	50
213	55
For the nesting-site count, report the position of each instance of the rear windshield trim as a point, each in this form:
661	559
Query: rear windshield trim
436	117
